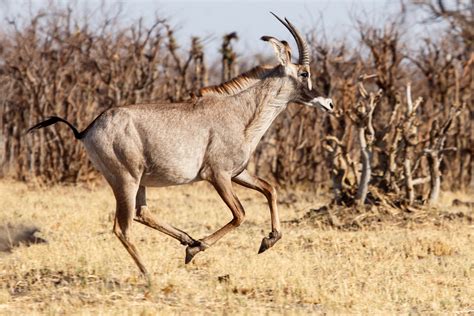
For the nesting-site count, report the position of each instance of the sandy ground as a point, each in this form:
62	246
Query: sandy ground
84	269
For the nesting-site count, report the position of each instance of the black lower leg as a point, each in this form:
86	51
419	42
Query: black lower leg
268	242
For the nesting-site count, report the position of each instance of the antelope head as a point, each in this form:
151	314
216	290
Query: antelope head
299	73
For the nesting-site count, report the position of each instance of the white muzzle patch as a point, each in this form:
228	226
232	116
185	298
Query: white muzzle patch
323	103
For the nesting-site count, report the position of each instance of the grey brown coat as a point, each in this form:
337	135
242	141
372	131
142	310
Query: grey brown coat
210	137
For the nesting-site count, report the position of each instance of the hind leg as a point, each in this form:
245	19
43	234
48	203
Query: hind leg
145	217
125	197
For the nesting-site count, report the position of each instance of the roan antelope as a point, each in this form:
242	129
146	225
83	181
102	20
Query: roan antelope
210	137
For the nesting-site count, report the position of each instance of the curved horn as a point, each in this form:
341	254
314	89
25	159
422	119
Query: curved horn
303	49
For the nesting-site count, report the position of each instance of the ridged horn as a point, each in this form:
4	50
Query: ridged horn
303	50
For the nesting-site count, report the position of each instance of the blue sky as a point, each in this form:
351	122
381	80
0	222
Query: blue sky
250	19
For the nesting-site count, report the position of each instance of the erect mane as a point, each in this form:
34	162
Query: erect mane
239	83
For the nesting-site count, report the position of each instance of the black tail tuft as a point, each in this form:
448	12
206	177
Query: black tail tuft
54	119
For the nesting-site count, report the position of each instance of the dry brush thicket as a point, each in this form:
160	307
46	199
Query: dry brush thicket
403	121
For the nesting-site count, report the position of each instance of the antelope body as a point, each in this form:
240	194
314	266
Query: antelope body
211	138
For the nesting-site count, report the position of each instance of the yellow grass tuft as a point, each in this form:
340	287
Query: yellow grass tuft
84	269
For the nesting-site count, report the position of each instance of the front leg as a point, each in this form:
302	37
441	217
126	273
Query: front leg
252	182
223	185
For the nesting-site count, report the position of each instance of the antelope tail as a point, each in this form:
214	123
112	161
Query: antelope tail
53	120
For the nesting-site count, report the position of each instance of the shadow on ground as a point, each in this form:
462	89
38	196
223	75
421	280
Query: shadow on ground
12	235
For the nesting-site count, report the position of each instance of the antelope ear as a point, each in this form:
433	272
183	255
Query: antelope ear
288	50
280	49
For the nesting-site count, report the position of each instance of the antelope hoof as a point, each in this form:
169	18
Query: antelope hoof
193	249
268	242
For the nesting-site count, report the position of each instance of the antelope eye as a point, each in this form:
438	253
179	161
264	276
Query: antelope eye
304	74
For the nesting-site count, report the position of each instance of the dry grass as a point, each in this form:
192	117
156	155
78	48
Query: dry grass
84	269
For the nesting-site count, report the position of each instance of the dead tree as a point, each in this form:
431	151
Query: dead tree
229	57
435	151
392	137
343	171
200	71
385	54
362	118
410	141
459	16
